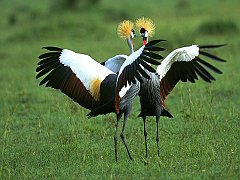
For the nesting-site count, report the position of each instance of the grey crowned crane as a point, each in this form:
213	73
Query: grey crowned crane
92	85
183	64
149	93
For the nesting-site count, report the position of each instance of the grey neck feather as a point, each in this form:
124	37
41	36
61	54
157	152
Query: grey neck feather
130	45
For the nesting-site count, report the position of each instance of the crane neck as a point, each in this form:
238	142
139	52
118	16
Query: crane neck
145	41
130	45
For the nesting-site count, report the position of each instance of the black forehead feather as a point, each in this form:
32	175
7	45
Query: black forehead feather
142	30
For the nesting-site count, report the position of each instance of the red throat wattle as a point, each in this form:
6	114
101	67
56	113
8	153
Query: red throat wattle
144	42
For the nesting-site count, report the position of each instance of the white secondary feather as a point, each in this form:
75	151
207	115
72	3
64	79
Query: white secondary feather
85	68
124	90
181	54
115	63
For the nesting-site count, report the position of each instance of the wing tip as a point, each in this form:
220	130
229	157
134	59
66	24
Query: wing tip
211	46
211	56
52	48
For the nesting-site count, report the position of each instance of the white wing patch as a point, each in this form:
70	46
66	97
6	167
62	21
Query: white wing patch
181	54
124	90
86	69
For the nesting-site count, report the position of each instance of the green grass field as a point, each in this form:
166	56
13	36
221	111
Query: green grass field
44	134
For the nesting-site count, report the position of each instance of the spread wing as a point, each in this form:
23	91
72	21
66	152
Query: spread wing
115	63
76	75
132	69
185	64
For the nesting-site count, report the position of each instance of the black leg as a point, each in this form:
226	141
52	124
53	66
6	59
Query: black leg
115	135
126	114
157	137
157	140
145	135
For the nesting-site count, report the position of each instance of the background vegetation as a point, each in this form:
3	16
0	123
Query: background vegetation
44	134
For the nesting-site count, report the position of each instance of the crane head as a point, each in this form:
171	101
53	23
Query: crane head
125	30
146	28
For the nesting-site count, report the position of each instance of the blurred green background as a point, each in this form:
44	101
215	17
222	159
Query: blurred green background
44	134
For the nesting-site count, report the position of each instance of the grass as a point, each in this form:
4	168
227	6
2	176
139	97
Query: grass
46	135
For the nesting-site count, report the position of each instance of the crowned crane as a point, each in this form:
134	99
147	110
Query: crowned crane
92	85
183	64
131	91
149	93
125	95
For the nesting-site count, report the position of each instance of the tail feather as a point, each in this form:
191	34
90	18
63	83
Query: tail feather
166	113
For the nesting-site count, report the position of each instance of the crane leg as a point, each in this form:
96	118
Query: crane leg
145	135
157	136
115	135
126	114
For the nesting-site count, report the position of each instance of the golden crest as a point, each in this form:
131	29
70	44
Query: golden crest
147	24
124	29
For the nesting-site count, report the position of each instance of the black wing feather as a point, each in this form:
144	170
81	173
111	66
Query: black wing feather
212	56
154	48
206	73
48	59
152	55
49	54
201	74
149	68
211	46
150	60
153	42
51	48
216	70
141	71
45	65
